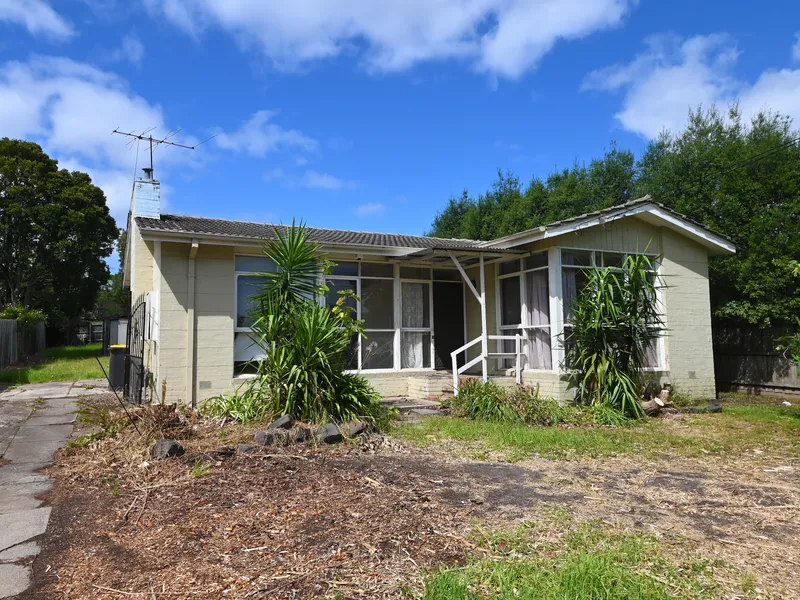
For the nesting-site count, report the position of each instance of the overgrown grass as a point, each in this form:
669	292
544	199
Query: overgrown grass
737	429
591	561
61	363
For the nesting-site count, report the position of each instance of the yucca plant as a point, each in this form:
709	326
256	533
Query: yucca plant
615	318
303	372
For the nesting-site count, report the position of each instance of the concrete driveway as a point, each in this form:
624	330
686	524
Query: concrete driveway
35	421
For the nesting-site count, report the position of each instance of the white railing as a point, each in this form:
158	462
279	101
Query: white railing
517	355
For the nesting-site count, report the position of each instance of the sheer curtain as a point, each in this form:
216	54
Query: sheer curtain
413	342
538	352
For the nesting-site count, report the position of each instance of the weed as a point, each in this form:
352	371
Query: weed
200	469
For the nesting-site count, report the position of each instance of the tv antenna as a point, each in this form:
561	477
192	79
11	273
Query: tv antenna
146	136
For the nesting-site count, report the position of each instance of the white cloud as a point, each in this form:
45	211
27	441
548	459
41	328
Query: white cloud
131	50
370	209
70	108
500	37
796	48
37	17
673	75
258	136
324	181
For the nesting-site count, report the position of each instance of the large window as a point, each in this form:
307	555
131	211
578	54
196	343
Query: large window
574	276
245	351
525	309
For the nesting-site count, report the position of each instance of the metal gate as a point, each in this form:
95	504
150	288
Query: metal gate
134	356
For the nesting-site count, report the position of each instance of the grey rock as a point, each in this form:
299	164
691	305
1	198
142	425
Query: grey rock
271	438
166	449
284	422
356	428
246	448
711	408
329	434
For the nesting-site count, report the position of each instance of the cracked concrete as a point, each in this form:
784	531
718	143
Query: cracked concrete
35	421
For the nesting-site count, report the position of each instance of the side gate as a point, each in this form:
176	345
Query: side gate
134	355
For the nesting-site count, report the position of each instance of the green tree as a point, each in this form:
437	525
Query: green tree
55	231
114	298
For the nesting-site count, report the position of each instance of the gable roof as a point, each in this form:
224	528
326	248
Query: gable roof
644	208
259	231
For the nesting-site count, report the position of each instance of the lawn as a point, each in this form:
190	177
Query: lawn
61	363
740	428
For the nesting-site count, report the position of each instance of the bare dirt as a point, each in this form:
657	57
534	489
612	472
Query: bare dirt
366	520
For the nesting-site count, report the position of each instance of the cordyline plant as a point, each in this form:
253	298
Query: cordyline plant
303	343
615	319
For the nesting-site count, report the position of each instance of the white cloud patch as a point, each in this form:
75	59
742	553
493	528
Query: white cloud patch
673	75
324	181
370	209
70	108
259	136
131	50
37	16
796	48
503	38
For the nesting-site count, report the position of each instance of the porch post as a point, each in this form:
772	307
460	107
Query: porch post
484	331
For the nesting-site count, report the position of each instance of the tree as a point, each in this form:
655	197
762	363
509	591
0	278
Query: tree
740	179
114	298
55	231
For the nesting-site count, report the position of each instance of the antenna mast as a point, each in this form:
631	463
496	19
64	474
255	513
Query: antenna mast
154	142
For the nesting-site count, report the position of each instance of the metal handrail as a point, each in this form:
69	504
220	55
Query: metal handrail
459	370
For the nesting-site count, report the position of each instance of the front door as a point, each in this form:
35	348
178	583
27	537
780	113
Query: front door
448	321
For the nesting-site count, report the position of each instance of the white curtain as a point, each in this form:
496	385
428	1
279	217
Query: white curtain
413	303
538	350
569	289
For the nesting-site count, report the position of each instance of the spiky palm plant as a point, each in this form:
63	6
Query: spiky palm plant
615	318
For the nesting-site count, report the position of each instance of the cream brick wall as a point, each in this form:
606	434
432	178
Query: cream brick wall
173	331
690	358
142	267
389	384
214	308
550	385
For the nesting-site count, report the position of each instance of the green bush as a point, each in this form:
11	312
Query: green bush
521	404
238	404
614	320
25	317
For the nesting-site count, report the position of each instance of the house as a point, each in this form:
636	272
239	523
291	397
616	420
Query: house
502	305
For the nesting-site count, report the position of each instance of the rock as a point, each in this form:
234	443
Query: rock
329	434
356	428
302	435
271	438
711	408
284	422
714	408
246	448
166	449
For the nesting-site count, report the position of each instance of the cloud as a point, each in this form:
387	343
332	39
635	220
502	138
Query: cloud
37	17
70	108
258	136
660	85
131	50
796	48
503	38
324	181
370	209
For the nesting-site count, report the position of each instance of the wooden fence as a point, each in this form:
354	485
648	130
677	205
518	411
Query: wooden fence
745	359
16	345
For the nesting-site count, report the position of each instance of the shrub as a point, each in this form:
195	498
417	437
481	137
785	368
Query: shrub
614	321
238	404
521	404
25	317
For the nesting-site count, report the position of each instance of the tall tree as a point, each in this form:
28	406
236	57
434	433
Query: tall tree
55	231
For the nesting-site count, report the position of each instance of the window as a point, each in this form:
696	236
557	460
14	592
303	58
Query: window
247	269
525	309
373	283
574	276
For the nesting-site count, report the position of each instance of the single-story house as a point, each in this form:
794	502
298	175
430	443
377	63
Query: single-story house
502	305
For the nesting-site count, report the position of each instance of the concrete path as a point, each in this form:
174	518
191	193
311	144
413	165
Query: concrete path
35	421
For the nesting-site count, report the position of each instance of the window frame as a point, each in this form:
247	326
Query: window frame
524	327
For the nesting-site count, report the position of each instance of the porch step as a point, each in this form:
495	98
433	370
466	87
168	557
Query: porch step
408	406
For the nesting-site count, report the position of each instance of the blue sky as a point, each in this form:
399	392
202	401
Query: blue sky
366	115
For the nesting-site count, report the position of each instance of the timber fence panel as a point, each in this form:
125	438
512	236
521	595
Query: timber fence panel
9	343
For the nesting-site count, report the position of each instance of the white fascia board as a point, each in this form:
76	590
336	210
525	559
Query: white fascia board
712	241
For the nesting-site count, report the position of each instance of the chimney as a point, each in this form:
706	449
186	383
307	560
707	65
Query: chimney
146	201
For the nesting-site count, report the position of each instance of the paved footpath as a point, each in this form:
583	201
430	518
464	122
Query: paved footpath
35	421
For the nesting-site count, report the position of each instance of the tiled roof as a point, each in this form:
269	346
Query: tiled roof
260	231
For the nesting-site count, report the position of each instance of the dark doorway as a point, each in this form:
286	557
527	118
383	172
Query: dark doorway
448	321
